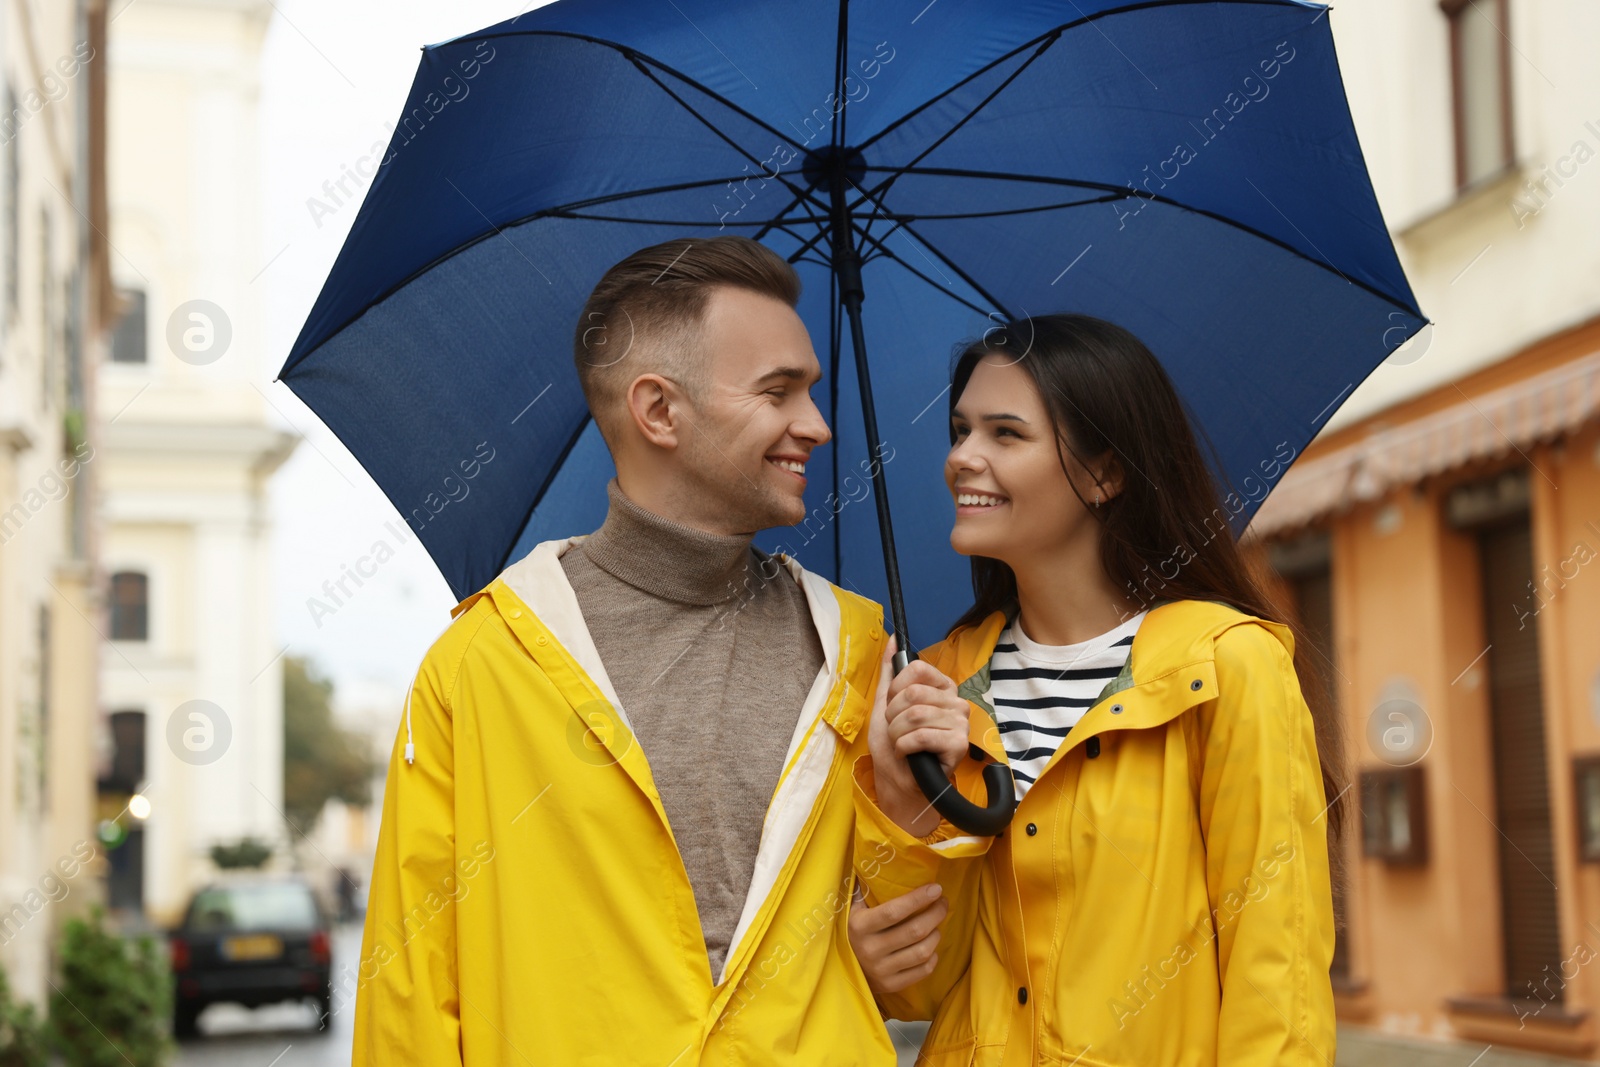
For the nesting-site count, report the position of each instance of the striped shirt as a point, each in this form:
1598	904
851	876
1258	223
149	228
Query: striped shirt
1040	692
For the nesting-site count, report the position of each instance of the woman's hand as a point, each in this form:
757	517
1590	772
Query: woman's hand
918	711
895	941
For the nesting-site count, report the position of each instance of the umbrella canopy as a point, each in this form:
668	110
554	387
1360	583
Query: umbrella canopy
1187	170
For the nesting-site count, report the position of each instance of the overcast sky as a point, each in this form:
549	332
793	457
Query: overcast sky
334	76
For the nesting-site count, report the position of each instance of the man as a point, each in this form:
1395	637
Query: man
618	821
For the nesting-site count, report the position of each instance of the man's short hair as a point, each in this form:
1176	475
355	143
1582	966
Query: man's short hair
645	314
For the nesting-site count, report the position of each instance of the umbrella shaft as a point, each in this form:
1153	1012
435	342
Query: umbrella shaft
847	266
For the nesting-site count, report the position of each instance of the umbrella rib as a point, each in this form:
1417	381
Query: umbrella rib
897	218
634	54
1125	192
997	175
560	211
1044	47
963	275
767	225
770	224
1055	32
824	225
823	230
887	252
802	191
790	206
879	210
538	498
631	194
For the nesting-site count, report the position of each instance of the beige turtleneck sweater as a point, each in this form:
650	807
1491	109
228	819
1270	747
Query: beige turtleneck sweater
711	649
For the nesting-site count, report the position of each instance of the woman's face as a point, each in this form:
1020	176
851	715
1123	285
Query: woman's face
1014	503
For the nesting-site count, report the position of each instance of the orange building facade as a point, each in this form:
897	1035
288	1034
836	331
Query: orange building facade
1444	555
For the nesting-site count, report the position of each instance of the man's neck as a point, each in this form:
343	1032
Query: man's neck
667	558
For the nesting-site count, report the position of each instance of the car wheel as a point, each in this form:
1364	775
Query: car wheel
185	1016
324	1012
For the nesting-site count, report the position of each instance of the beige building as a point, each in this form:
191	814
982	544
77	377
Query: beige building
1441	536
53	315
191	676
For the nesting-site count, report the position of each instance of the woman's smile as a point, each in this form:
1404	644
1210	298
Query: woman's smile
975	503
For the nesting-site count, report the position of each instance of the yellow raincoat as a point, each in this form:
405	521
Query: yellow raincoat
1162	897
528	903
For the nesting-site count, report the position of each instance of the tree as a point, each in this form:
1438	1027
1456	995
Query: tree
22	1036
321	760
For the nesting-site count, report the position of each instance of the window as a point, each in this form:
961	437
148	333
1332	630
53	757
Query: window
127	340
1480	80
283	906
130	606
126	772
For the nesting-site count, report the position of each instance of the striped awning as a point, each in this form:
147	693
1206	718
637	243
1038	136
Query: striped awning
1535	409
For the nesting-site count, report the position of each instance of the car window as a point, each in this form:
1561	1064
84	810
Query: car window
256	907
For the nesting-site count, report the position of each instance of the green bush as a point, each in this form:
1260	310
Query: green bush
246	852
111	1004
21	1032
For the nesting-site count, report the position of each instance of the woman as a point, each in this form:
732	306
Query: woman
1163	894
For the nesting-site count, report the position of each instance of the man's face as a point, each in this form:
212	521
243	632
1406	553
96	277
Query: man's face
750	436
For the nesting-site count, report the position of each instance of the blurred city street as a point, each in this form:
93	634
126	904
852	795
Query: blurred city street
277	1035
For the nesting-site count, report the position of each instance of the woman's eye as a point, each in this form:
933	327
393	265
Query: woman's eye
1004	430
779	393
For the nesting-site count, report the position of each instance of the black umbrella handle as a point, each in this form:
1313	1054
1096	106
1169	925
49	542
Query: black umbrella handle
1000	791
986	821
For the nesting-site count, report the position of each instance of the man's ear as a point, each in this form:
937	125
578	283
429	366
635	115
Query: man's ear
650	408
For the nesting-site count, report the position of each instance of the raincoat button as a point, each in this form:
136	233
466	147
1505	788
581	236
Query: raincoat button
1196	685
516	613
541	640
1116	709
1022	995
1032	829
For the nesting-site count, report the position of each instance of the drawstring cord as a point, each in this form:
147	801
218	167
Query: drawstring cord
411	748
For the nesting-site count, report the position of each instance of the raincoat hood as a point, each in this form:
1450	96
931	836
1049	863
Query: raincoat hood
1183	638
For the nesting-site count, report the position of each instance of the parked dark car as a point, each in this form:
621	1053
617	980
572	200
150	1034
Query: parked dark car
251	940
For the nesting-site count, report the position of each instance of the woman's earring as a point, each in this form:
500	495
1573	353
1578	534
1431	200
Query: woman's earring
1097	498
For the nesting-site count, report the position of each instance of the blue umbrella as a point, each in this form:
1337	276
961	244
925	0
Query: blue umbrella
1186	169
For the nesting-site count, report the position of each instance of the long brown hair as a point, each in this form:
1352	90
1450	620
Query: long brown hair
1105	391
